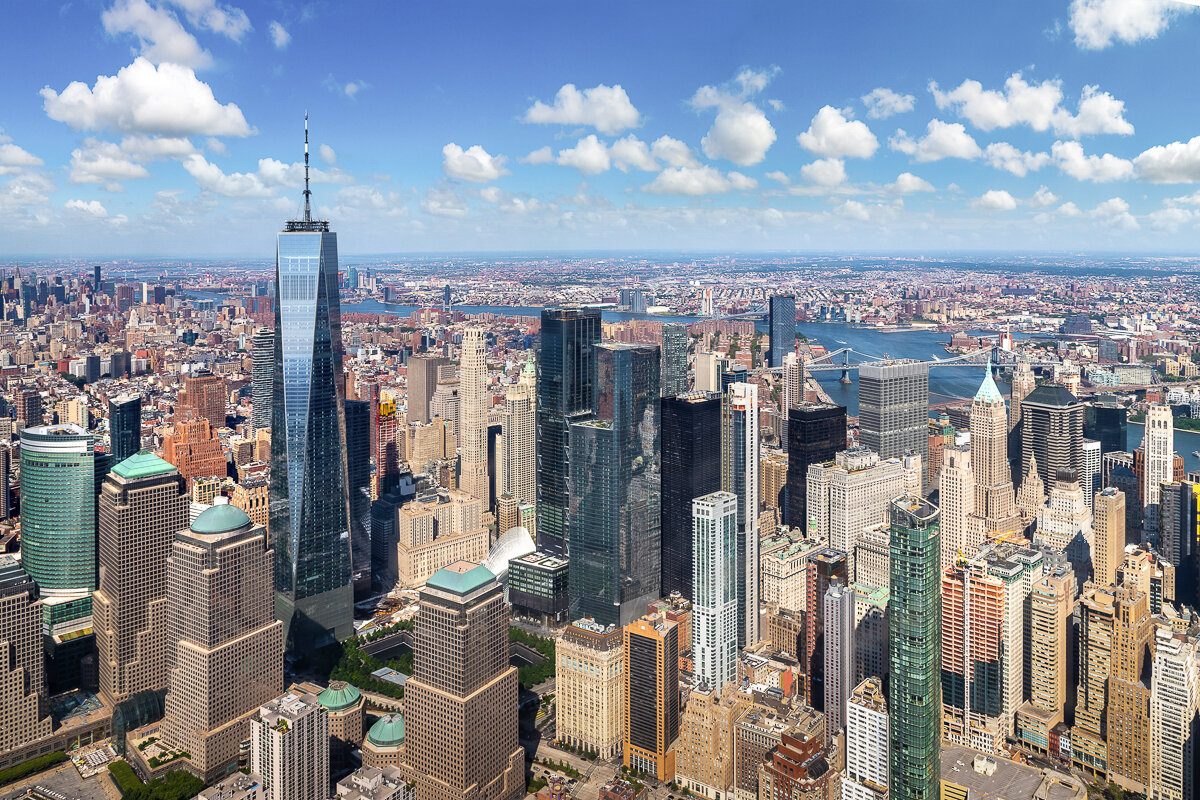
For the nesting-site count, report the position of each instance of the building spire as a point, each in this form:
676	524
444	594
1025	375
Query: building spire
307	191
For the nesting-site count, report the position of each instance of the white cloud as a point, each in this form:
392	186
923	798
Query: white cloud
1114	212
1099	23
589	156
779	177
941	140
832	135
743	183
852	209
26	195
741	133
543	155
1003	155
211	178
1169	220
14	158
327	154
605	108
632	152
444	203
1069	209
776	105
473	164
273	172
279	35
1192	199
907	183
215	145
1177	162
995	200
1043	198
825	172
102	162
1071	160
882	103
352	88
142	98
210	15
673	152
161	38
697	181
1037	105
91	208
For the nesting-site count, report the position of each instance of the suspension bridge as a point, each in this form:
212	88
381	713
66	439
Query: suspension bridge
975	359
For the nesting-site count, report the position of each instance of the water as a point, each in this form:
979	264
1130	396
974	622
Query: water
1185	443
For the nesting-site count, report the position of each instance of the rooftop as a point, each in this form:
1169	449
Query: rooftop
387	731
143	465
222	518
461	577
339	695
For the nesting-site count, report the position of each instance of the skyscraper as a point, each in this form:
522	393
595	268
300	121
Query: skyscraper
1051	603
691	468
1051	432
1128	710
262	371
781	313
24	715
615	541
1108	530
125	426
461	701
1158	445
956	494
476	399
652	711
193	447
994	500
590	687
816	432
422	382
204	395
566	384
310	501
914	638
674	359
1174	703
714	578
866	776
838	628
389	444
518	476
740	476
1108	423
358	472
894	407
289	747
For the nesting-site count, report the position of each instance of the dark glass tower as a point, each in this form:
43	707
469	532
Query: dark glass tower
782	322
1107	423
1052	431
691	468
815	433
915	650
674	360
358	470
615	541
893	403
262	370
125	426
309	501
565	385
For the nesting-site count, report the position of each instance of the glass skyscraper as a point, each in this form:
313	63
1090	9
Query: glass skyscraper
893	408
782	323
358	472
691	468
816	432
309	501
674	359
125	426
615	540
566	376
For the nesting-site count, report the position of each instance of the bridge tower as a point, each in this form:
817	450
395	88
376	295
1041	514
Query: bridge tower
845	367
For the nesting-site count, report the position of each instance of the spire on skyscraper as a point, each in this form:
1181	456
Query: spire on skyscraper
307	191
988	392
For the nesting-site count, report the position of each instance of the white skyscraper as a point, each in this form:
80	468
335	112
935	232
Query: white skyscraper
1158	445
519	463
1090	480
839	653
866	775
289	748
792	381
740	476
1174	702
474	398
714	593
956	491
851	496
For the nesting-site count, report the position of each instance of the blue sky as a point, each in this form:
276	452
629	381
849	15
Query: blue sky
173	127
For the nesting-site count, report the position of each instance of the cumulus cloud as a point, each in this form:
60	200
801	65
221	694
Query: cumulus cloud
673	152
1097	24
995	200
907	183
161	37
1071	160
14	158
941	140
228	21
1177	162
279	35
852	209
1043	198
143	98
444	203
882	103
1114	212
103	162
327	154
1170	220
825	172
26	196
832	135
779	177
605	108
632	152
273	172
91	208
211	178
1069	209
741	132
1038	105
1003	155
589	156
696	181
543	155
473	164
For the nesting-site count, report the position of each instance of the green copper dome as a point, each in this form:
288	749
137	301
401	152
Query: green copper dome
220	519
387	731
338	696
142	465
461	578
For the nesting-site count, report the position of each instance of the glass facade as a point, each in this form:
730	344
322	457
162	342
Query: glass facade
893	408
816	432
782	323
309	506
358	470
674	359
125	427
261	376
691	468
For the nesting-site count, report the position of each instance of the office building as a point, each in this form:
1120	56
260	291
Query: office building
914	639
781	316
710	370
791	384
358	475
437	529
24	712
385	533
866	773
590	688
387	782
816	432
262	376
797	767
1174	703
704	751
739	476
961	533
838	625
518	473
1090	478
29	408
1128	712
566	386
772	481
289	748
1051	433
460	705
691	468
389	444
1158	448
851	495
714	581
651	712
615	543
310	502
383	746
422	371
1107	423
675	342
345	707
193	448
1065	525
224	646
994	501
538	586
125	426
893	409
1051	605
205	396
1108	535
1097	611
476	398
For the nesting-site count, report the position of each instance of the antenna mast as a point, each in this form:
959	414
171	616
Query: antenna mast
307	192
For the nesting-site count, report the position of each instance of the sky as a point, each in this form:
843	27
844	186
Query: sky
175	127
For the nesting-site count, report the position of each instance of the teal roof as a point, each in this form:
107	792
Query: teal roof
220	519
988	392
142	465
387	731
339	695
460	580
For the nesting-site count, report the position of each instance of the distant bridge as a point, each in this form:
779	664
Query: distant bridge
975	358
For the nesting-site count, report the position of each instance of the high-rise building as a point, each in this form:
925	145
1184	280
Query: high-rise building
838	628
914	638
29	408
1128	730
205	395
781	314
894	407
1051	433
791	383
704	761
224	646
289	747
461	702
24	714
995	502
143	504
714	581
1107	423
866	773
960	532
1174	704
1097	612
1023	382
691	468
566	385
262	371
310	502
358	473
674	359
422	382
851	495
193	448
590	687
476	400
615	543
651	696
125	426
816	432
1065	524
389	444
518	475
1108	530
1158	446
740	476
1051	604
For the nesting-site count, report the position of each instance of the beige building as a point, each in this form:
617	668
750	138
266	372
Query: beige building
383	746
783	563
590	687
995	512
224	645
475	403
1128	694
289	748
436	530
432	441
24	716
956	495
1051	603
772	476
1097	610
1108	531
704	750
143	504
252	496
851	495
518	475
